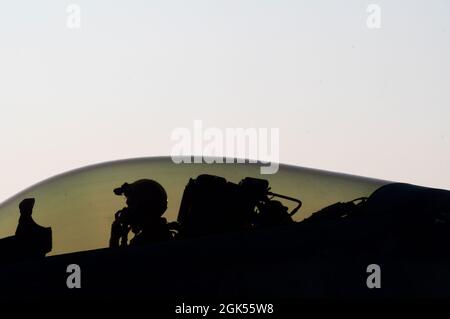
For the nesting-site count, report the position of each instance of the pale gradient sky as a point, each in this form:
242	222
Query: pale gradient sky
346	98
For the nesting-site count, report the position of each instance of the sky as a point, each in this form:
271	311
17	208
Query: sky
345	97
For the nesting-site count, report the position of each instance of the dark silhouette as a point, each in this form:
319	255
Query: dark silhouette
339	210
31	240
212	205
146	203
257	251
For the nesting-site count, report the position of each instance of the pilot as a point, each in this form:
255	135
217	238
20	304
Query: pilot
146	203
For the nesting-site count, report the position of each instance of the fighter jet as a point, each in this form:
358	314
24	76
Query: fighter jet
150	228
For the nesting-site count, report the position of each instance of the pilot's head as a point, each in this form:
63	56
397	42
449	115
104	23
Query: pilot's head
146	200
26	206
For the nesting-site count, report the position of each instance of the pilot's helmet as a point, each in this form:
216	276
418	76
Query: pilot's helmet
145	194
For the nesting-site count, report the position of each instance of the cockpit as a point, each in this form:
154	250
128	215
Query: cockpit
201	199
